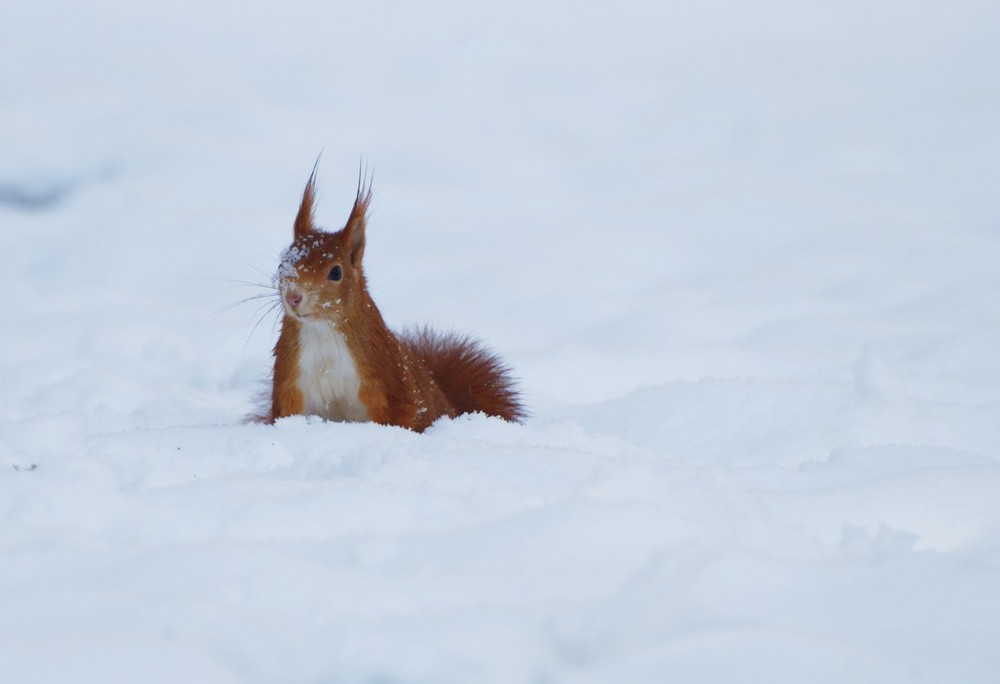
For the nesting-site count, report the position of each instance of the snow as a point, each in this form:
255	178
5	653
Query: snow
743	258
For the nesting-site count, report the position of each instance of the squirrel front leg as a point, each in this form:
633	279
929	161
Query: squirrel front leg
286	397
286	400
405	413
377	404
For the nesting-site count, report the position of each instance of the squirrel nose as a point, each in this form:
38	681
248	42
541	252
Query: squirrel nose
294	299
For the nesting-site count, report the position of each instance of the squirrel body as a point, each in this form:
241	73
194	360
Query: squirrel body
336	358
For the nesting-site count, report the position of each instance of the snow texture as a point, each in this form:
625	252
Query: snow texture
743	257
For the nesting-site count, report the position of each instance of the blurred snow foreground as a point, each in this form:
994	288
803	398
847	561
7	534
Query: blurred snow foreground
743	258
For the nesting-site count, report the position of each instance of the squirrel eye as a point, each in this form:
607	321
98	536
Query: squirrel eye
336	273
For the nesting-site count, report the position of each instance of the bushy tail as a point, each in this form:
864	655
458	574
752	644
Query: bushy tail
471	377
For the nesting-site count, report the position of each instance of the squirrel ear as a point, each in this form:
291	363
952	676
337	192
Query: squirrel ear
304	219
354	231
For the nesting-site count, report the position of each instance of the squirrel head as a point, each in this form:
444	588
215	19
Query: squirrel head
320	278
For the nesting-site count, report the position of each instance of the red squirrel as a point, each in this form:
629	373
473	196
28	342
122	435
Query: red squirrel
336	358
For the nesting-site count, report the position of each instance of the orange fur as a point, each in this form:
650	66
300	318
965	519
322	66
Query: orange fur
409	380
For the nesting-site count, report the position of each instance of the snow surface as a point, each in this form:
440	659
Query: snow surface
744	257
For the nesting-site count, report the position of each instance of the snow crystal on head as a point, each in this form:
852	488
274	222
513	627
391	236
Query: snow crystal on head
289	258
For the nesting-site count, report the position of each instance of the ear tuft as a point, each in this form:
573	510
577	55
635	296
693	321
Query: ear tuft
354	231
304	219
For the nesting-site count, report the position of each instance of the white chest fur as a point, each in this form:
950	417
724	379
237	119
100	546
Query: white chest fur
328	376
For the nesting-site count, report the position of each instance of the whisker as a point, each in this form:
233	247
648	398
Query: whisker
263	307
274	325
260	319
248	283
229	307
267	275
